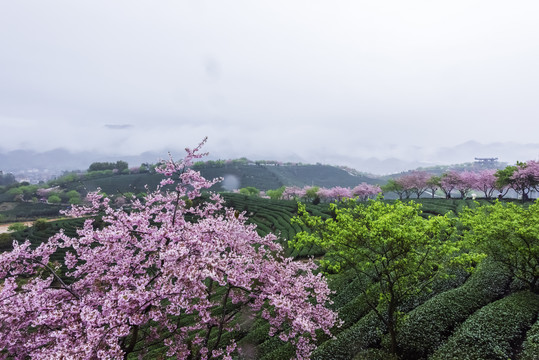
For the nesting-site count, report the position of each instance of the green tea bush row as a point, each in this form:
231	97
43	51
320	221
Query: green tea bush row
491	332
347	287
426	327
360	336
283	351
256	335
352	312
530	349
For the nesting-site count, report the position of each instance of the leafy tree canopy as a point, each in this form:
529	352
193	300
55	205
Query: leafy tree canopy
509	234
394	250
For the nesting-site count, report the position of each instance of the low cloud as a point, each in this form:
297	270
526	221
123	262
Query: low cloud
118	127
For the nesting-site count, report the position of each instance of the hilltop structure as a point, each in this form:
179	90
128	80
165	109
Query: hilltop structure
486	162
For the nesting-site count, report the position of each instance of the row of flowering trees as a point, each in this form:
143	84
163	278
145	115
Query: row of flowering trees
419	182
523	178
362	191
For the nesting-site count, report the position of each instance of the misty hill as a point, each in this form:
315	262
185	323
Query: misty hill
47	164
266	177
263	177
440	169
24	163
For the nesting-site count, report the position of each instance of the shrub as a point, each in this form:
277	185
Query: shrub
490	332
16	227
41	224
74	200
282	351
5	241
531	344
54	199
374	354
72	194
15	194
363	334
427	326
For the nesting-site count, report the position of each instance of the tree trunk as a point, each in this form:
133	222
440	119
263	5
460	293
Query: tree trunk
391	326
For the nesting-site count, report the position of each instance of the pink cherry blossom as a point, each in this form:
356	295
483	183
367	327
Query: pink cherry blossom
293	192
415	182
526	178
486	182
449	182
365	191
133	281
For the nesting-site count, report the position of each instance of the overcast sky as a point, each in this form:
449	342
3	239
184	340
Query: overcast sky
268	79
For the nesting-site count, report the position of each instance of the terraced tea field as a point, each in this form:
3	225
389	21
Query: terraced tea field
485	315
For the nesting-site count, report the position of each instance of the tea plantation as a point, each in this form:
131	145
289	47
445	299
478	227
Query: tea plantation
482	315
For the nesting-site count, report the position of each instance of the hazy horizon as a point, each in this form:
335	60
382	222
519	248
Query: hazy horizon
320	81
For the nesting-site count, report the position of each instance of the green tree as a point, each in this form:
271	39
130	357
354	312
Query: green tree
311	193
433	184
7	179
128	195
54	199
509	234
40	224
144	168
74	200
67	178
16	227
100	166
275	194
393	186
72	194
121	165
504	176
15	192
250	190
28	191
394	251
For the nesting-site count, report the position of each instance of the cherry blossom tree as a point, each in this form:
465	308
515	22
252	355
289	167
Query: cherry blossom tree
466	181
175	269
338	193
526	178
522	177
325	194
449	181
293	192
486	182
364	191
415	182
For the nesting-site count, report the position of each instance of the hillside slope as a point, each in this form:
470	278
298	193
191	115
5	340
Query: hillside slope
262	177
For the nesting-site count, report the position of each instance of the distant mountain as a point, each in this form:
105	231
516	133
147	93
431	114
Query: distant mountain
416	157
58	160
62	159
